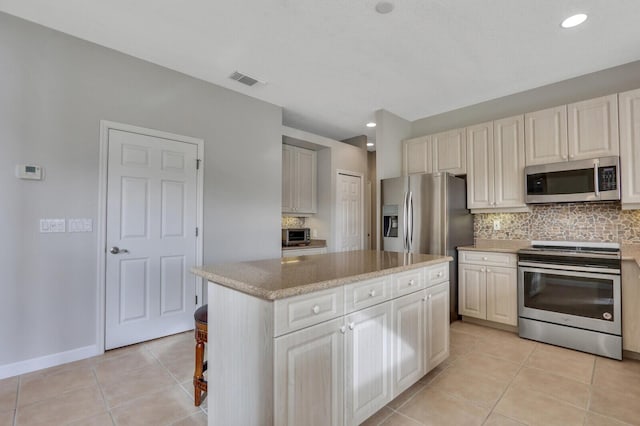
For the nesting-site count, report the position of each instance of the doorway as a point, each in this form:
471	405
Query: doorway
151	232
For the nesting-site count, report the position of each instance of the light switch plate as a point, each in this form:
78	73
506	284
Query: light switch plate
80	225
52	225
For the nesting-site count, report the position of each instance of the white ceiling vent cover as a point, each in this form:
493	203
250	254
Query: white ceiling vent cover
244	79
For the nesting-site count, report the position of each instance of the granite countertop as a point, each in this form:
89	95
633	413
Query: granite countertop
279	278
500	246
313	244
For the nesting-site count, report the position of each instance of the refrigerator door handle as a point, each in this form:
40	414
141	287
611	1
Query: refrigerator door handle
405	219
410	214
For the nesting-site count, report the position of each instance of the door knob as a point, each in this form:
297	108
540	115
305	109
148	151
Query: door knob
118	250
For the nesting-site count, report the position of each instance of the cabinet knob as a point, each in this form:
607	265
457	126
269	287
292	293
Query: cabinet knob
352	325
564	157
424	299
485	258
372	293
571	156
316	309
429	296
488	270
481	269
343	329
411	282
440	274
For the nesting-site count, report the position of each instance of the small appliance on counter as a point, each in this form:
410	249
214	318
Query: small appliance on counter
296	237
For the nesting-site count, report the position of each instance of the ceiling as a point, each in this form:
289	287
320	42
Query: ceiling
332	63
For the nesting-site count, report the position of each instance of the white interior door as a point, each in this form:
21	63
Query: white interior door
349	218
150	237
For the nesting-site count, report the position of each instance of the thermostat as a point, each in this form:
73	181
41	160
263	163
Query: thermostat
29	171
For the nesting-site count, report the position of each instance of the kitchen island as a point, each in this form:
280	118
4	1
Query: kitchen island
322	340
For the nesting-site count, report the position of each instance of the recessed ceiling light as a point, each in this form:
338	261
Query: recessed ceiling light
574	21
370	144
371	124
384	7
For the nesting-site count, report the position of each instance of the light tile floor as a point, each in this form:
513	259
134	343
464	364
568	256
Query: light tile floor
491	378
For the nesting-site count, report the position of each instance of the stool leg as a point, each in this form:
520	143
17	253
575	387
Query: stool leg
198	375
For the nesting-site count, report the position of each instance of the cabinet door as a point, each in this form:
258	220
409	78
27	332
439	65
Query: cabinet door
502	297
368	362
630	148
309	376
508	162
546	136
630	306
417	155
450	152
593	128
287	178
472	291
437	325
305	181
408	341
480	187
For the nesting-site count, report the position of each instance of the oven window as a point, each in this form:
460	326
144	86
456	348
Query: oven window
579	296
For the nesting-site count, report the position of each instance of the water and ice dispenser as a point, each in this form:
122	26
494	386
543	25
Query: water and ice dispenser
390	220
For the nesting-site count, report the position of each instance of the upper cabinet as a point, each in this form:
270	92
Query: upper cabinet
442	152
593	128
495	165
450	152
577	131
630	149
299	180
417	156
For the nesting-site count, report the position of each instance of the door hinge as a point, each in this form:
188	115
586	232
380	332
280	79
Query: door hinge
196	299
198	164
196	231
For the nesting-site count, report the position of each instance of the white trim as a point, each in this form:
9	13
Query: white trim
102	212
362	207
34	364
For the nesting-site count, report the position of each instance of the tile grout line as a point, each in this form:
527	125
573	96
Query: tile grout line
104	399
15	405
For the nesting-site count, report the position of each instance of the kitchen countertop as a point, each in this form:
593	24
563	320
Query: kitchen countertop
279	278
500	246
313	244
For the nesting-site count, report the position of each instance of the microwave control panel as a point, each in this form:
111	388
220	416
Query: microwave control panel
607	179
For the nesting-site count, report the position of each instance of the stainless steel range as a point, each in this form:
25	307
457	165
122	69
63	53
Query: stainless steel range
569	295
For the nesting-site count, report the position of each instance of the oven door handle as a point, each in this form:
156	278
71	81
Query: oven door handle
537	267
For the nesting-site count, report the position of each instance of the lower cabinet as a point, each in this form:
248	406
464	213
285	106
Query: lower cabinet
437	325
408	340
487	291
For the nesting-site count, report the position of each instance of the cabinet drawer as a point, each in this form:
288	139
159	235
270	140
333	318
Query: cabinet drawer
408	282
489	258
437	274
367	293
295	313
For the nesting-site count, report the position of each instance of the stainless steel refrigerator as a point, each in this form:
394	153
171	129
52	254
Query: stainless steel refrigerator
427	214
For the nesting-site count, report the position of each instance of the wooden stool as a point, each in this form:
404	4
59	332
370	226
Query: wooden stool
199	382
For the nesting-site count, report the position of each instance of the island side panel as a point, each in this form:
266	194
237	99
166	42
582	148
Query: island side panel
240	354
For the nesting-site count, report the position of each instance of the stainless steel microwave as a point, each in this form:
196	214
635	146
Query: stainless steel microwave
296	236
597	179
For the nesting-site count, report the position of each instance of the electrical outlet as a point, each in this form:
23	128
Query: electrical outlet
496	225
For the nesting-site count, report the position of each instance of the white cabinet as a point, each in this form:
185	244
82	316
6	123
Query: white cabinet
450	152
488	286
630	149
417	156
442	152
495	165
437	325
578	131
299	180
368	362
593	128
408	341
309	376
303	251
546	136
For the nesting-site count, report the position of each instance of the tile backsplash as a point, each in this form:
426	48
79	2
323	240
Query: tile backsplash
563	222
292	222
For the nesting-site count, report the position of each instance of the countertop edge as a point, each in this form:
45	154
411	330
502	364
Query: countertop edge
310	287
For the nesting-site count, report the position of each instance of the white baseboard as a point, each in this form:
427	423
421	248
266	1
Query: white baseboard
34	364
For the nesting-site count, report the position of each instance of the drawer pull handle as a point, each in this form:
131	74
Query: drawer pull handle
372	293
352	325
343	329
411	282
316	309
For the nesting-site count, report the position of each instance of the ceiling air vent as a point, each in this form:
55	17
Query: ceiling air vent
243	78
